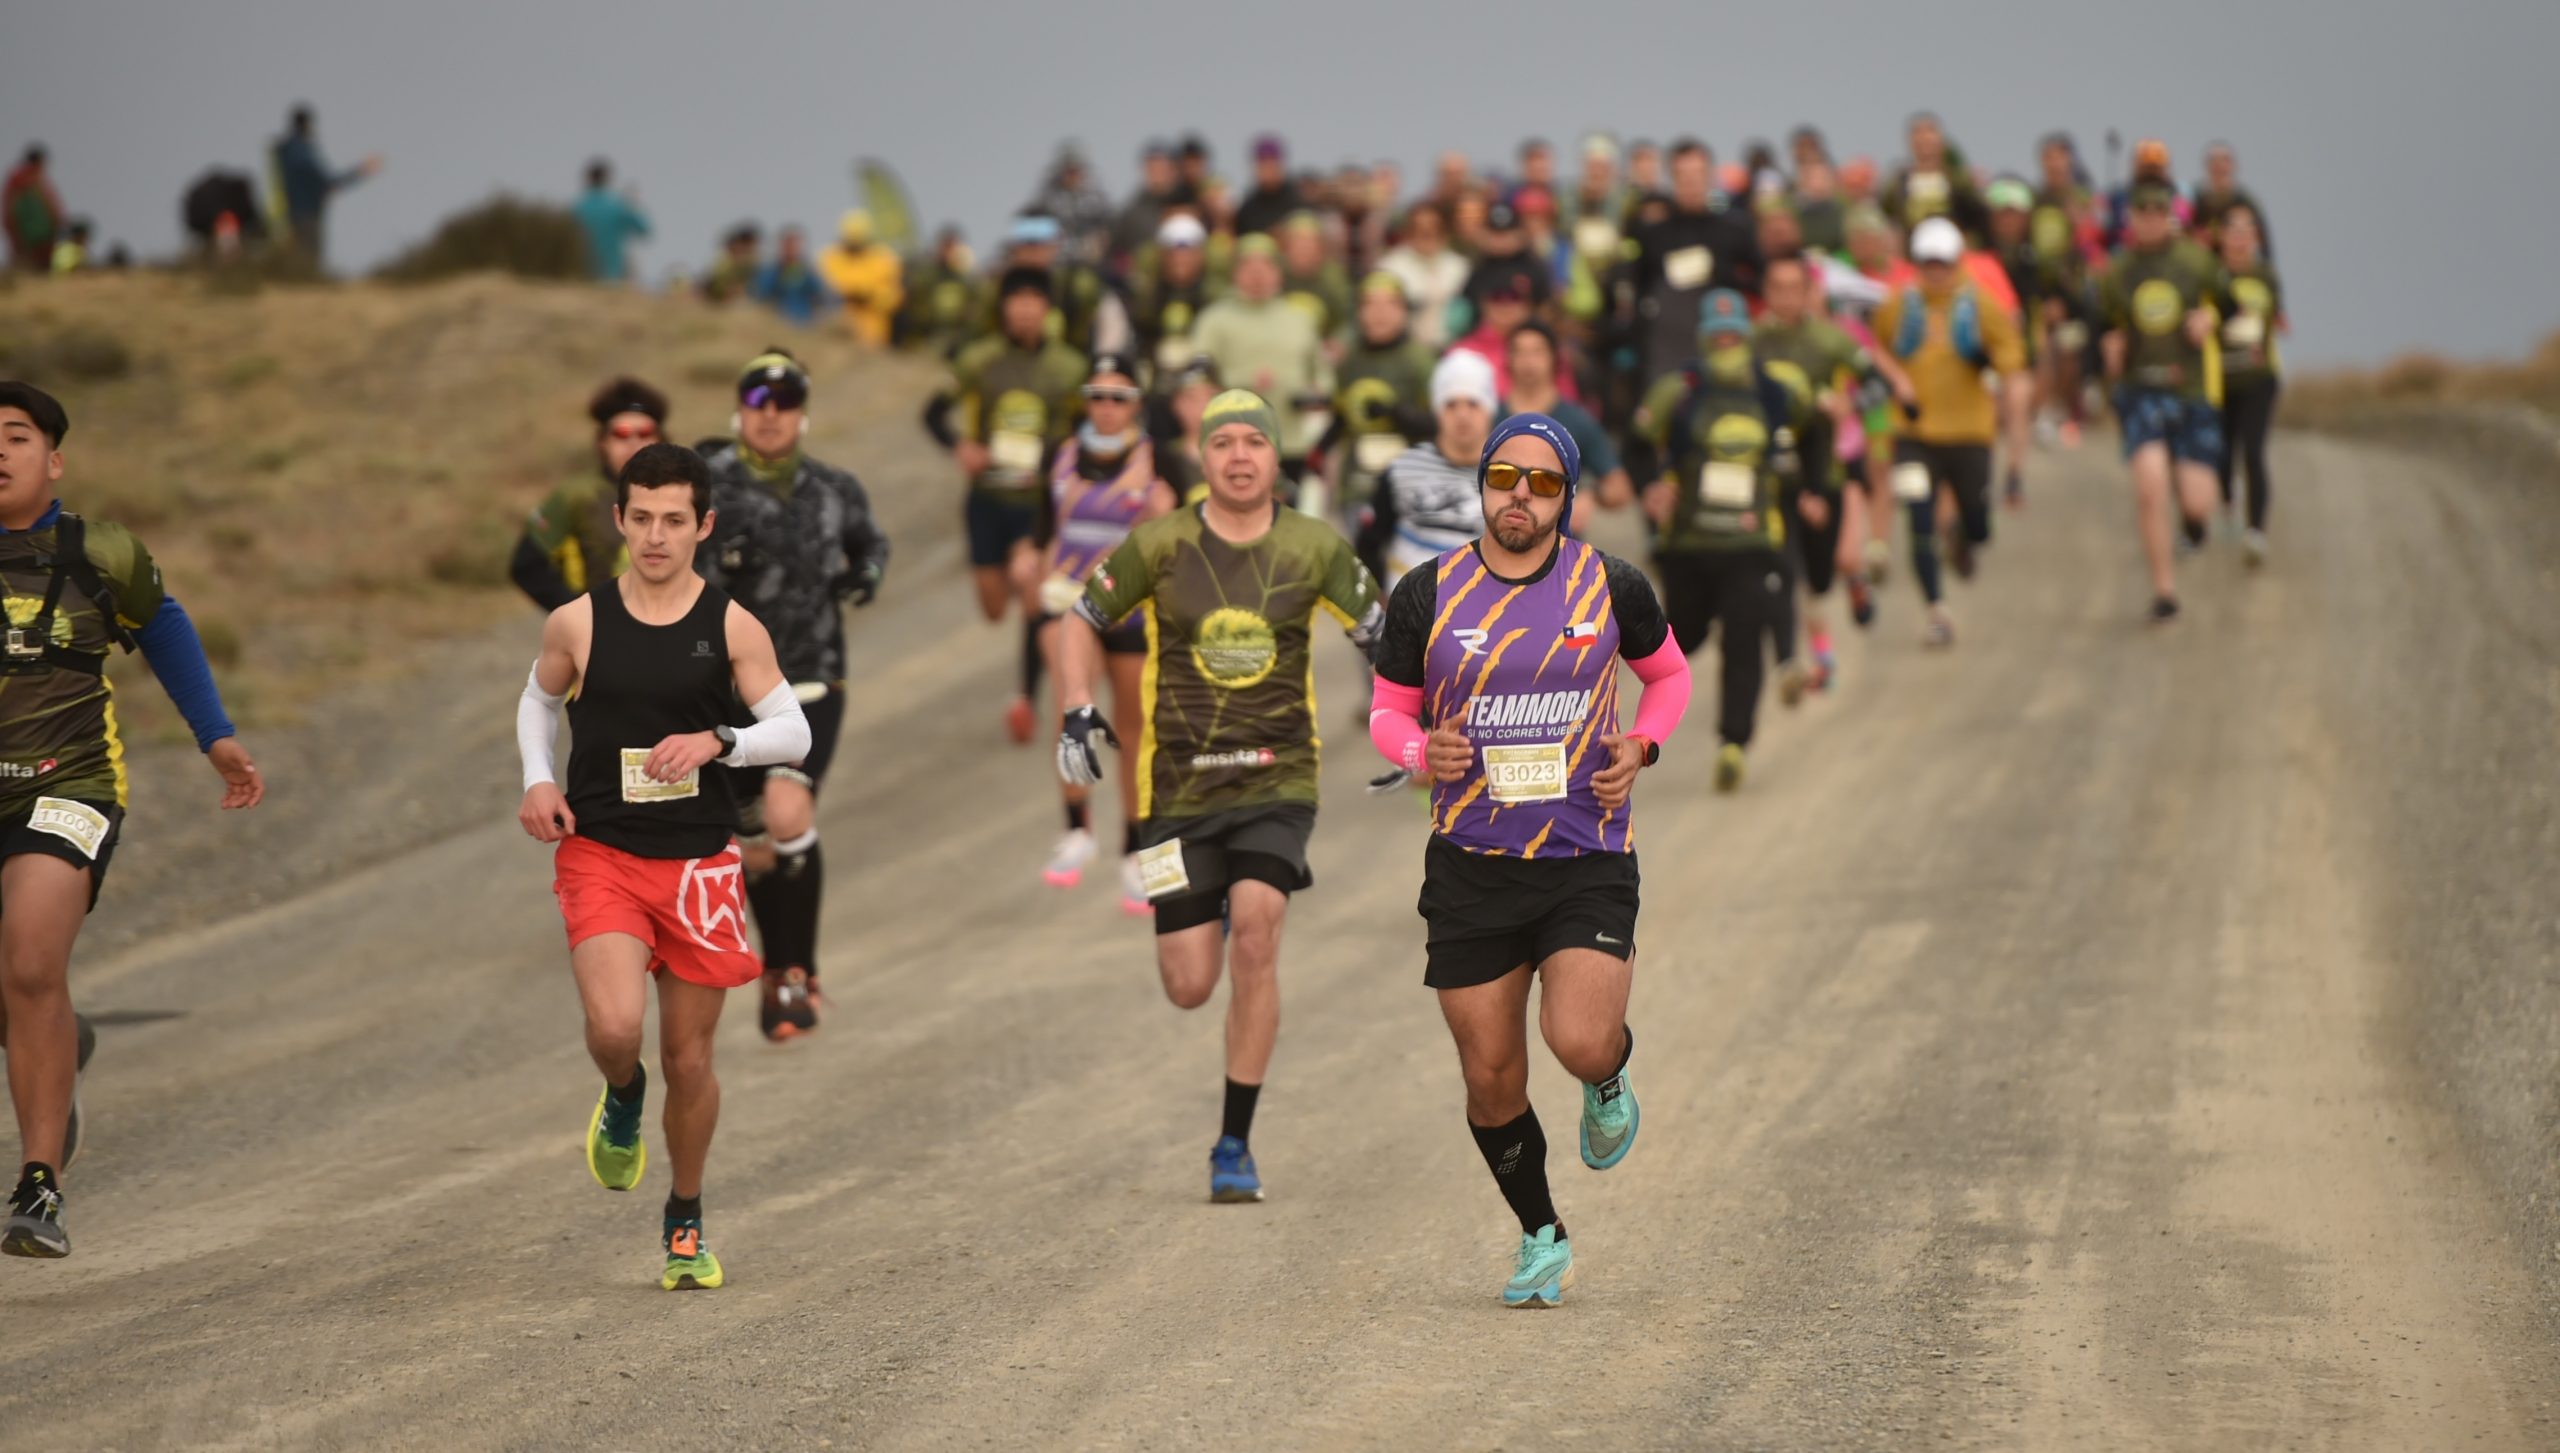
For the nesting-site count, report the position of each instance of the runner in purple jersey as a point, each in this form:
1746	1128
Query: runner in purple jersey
1104	483
1510	646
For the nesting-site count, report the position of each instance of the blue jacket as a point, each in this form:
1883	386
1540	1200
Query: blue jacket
796	294
610	224
304	173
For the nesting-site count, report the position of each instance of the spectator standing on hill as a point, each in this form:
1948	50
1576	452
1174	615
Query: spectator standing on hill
303	180
611	221
32	212
788	284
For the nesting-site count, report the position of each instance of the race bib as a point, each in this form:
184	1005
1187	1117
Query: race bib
1928	189
639	786
1059	594
1014	452
2071	336
1911	483
1374	452
1174	354
1728	486
1595	238
1160	869
77	823
2245	330
1690	267
1526	773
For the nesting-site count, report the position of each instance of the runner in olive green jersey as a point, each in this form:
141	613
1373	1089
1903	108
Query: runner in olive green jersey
74	589
1226	766
2163	356
1019	395
571	544
1381	398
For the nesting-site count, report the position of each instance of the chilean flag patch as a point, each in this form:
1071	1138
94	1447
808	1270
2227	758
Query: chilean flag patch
1581	634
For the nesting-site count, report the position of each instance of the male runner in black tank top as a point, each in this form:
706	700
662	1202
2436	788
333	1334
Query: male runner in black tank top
647	873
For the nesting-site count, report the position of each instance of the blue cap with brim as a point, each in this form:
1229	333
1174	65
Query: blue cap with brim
1723	312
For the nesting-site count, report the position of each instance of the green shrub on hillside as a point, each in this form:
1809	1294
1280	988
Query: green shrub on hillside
504	234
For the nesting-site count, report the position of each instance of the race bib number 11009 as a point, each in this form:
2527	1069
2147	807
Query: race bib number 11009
77	823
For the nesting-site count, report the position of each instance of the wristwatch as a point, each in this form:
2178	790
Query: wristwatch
1652	750
728	739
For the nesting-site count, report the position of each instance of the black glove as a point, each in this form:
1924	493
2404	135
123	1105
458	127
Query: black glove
863	586
1078	762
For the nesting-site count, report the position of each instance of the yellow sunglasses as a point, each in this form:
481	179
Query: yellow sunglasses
1503	478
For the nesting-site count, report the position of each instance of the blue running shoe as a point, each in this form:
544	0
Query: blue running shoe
1231	1173
1545	1269
1609	1120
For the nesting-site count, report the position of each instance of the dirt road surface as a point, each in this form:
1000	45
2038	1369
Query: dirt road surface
2030	1057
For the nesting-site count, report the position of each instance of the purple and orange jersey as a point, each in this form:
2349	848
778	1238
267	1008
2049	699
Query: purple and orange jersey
1529	673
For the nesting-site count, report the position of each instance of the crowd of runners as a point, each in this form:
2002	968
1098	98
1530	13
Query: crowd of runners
1179	430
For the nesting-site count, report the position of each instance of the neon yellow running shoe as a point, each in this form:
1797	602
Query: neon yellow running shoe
690	1264
615	1152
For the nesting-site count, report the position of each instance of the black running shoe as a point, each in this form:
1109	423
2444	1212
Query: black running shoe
2164	610
71	1131
35	1218
790	1007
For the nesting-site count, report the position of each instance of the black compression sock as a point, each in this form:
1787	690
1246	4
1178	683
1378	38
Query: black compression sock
1079	816
1517	1155
2195	532
1128	838
1030	658
684	1208
1239	1117
768	900
786	907
636	1089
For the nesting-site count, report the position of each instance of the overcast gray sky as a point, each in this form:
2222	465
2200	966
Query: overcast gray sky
2385	139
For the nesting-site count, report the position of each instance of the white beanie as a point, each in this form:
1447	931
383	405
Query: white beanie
1463	374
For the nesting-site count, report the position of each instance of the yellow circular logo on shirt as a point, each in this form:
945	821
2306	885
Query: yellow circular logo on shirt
1019	411
2255	297
1369	403
1737	439
1234	648
2156	307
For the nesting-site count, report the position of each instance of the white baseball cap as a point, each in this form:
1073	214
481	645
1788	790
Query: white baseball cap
1937	240
1182	230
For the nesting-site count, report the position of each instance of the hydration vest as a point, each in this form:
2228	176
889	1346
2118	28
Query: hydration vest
1964	326
31	647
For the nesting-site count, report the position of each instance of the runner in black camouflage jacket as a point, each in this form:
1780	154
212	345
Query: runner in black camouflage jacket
791	540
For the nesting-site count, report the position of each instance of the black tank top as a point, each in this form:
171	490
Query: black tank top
644	684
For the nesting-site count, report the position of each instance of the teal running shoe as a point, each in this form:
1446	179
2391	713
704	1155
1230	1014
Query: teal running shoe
1609	1120
1231	1174
1545	1269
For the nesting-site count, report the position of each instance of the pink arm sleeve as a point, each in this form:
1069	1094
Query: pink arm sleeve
1665	675
1395	721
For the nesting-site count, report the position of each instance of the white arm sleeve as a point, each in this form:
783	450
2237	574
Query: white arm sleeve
780	733
537	722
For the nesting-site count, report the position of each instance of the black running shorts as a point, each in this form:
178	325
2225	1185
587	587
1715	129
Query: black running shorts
81	833
1267	844
1486	916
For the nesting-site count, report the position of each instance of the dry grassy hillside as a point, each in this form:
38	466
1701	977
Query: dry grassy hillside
2424	381
333	477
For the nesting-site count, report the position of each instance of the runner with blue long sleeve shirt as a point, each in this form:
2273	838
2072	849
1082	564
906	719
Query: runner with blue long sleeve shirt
73	589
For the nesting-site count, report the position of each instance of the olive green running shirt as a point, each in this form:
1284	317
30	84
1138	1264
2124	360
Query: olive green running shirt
1230	695
58	735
